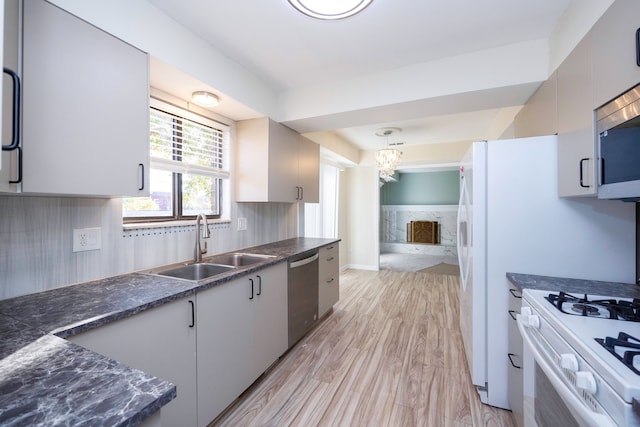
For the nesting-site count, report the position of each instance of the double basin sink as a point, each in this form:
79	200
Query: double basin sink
213	266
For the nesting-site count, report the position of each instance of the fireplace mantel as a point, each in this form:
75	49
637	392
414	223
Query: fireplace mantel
394	228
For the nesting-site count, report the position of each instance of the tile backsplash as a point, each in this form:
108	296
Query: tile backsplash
36	240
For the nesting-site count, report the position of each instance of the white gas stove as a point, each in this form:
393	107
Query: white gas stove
588	348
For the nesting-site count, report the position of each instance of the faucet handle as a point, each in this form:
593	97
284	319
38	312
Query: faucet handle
204	250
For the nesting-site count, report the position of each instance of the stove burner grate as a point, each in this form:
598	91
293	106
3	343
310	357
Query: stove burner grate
585	309
628	350
602	308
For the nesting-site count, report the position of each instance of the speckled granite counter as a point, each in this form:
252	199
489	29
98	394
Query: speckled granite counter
46	380
580	286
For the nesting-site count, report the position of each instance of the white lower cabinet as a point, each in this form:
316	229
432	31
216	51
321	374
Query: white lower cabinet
242	330
160	341
329	278
514	379
212	345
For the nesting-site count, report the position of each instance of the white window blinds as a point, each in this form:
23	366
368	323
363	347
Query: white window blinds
186	143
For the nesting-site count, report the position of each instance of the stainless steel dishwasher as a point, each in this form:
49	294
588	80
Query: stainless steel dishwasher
302	294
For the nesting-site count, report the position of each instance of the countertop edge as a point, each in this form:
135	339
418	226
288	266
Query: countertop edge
580	286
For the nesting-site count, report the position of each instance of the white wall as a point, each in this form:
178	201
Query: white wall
359	231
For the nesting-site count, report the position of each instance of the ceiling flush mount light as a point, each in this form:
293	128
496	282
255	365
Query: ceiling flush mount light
330	9
387	159
204	98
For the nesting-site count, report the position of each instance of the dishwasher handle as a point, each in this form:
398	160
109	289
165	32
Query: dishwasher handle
303	261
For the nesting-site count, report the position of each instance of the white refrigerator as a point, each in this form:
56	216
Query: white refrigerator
510	219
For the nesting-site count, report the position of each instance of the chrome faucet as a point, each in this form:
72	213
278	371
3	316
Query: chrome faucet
205	235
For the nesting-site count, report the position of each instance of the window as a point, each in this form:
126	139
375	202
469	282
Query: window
321	219
189	167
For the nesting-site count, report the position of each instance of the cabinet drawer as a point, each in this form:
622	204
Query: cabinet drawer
329	262
328	293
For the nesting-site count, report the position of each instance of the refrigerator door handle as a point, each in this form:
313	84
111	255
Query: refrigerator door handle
464	270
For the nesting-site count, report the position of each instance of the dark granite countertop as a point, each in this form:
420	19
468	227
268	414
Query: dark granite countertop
46	380
580	286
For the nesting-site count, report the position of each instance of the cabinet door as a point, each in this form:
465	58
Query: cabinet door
225	331
309	170
283	163
9	161
85	108
614	51
270	308
577	161
515	347
329	278
160	342
252	160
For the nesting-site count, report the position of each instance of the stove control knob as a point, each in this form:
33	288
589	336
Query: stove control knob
586	381
569	361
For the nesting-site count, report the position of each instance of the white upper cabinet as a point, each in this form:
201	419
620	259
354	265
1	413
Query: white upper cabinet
308	170
85	108
4	142
601	67
9	162
577	160
615	68
275	164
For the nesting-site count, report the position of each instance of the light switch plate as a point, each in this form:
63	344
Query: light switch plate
87	239
242	224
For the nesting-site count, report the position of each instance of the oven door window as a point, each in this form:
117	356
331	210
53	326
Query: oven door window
550	410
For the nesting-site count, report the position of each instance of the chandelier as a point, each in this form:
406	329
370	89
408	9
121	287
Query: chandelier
387	159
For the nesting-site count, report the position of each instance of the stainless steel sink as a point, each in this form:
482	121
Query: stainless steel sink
239	259
193	272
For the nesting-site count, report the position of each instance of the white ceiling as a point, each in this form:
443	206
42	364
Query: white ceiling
290	51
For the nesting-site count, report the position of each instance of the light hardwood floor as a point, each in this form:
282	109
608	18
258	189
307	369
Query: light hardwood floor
390	354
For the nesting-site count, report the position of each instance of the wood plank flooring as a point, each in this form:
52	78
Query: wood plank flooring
390	354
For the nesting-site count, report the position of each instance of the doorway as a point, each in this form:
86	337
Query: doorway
413	198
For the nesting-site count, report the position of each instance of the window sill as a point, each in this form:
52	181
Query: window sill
166	224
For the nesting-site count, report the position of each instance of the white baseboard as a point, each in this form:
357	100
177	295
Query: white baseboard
360	267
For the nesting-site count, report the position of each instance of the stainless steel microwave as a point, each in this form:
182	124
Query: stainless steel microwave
618	126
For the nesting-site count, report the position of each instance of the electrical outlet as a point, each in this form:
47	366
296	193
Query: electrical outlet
242	224
87	239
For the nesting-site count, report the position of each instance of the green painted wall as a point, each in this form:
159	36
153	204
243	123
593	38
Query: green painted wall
425	188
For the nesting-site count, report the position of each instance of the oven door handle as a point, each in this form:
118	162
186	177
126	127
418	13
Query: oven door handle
583	414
